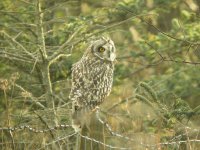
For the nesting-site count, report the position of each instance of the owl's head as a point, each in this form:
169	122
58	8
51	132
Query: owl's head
104	49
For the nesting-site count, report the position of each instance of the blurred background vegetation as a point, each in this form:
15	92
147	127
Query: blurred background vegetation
156	87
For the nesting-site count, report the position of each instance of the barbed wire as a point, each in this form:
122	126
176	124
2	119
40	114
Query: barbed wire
170	142
173	141
104	144
109	127
59	139
142	144
31	129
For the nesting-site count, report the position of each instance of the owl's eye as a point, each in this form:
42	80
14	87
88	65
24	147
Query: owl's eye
101	49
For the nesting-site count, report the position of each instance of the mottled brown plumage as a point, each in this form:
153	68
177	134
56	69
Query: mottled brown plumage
92	78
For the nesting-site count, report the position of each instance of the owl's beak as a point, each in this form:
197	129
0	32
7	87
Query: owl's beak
112	57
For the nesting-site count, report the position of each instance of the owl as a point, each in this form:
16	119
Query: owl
92	78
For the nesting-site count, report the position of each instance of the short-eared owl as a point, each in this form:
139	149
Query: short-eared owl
92	78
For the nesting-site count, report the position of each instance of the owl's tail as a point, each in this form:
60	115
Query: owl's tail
76	123
80	117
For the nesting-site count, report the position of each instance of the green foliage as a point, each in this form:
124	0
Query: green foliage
156	79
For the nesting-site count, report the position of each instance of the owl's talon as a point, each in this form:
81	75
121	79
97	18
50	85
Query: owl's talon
77	128
95	109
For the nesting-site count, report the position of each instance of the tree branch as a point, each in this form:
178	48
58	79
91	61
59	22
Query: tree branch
17	43
41	38
57	54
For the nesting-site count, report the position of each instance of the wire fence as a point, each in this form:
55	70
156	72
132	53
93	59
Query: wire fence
25	102
174	141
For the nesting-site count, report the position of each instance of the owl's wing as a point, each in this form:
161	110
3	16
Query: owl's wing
80	81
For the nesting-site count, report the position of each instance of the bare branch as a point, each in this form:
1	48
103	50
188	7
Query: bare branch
182	40
155	50
58	52
122	102
28	94
58	57
140	17
41	31
17	43
14	58
11	56
185	62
